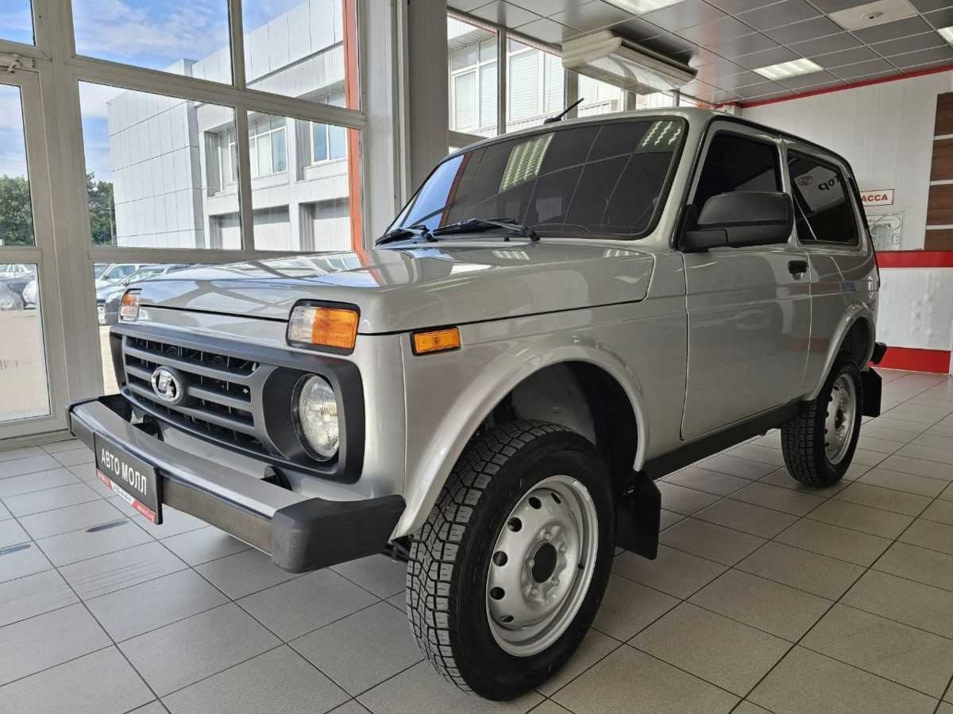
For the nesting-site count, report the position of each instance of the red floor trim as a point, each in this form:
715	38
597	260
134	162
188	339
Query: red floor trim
915	259
913	359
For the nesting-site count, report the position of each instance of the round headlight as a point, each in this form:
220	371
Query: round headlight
318	417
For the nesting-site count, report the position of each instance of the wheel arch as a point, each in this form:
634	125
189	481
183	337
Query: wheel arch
855	335
510	383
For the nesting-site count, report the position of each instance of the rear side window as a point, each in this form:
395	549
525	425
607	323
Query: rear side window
737	163
822	202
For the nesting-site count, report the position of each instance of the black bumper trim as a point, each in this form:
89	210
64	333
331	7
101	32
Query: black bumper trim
880	349
299	533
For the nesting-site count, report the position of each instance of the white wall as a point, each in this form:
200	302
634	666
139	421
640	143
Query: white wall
885	131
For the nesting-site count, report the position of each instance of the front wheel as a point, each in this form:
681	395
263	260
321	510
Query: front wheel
506	575
819	443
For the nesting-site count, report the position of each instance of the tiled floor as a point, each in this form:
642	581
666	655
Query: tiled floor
765	597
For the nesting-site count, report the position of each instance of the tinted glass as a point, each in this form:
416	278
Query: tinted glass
735	163
823	208
593	180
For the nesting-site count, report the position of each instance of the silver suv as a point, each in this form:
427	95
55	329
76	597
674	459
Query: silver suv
556	319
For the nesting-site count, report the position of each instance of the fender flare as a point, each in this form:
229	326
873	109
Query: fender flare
852	315
508	370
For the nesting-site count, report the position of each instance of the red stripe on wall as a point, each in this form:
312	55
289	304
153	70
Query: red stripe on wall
915	259
917	360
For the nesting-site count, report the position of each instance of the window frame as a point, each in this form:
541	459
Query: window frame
477	69
761	138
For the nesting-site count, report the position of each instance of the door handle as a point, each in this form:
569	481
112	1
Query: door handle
797	268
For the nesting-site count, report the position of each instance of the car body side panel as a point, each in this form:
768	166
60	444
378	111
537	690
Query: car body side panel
641	345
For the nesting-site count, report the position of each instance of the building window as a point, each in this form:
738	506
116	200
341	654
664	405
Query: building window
266	146
473	86
535	86
227	158
328	143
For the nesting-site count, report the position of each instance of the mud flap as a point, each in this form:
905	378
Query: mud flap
638	510
872	385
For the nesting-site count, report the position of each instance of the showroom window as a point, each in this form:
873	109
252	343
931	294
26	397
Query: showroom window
535	86
473	74
824	213
16	21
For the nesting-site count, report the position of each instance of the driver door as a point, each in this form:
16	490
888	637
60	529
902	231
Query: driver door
749	308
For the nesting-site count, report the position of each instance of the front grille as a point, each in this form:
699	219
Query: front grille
220	389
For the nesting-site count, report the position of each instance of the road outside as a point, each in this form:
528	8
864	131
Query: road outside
109	375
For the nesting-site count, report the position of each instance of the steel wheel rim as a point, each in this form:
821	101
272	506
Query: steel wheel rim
839	421
541	566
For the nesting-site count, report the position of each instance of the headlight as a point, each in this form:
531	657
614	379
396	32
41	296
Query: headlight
129	307
317	417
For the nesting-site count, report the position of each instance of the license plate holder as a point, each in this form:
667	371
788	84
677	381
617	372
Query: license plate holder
129	477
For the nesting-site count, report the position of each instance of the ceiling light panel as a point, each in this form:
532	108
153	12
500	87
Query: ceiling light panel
947	33
786	70
873	13
640	7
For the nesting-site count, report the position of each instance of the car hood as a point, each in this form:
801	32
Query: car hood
409	288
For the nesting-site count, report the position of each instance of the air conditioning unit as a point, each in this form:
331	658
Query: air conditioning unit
620	62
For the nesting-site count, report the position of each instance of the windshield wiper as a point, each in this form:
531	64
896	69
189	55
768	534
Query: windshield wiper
473	225
418	230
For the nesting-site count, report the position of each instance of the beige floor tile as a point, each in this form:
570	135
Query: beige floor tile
712	482
719	650
684	500
808	682
862	518
548	707
593	648
915	604
746	517
782	478
920	564
886	499
733	466
772	607
749	708
800	569
673	572
940	511
902	654
930	534
797	503
711	541
834	541
919	467
935	441
867	458
669	519
628	607
631	682
927	453
854	472
878	445
947	494
944	708
421	689
756	452
910	483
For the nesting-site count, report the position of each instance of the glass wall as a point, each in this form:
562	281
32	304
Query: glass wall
535	87
16	21
472	70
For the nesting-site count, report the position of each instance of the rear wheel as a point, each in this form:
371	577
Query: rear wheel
509	570
819	443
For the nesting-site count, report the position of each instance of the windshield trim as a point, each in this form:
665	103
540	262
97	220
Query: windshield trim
541	229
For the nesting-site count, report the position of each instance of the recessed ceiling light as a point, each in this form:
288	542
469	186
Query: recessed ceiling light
873	13
947	33
640	7
786	70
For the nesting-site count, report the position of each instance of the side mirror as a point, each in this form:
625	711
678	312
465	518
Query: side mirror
744	218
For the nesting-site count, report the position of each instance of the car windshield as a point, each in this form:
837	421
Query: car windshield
604	179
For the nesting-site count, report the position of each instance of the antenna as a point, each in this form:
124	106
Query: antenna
559	117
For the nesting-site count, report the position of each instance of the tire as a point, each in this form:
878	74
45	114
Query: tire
449	593
818	444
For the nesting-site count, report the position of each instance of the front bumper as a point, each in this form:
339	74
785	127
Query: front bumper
298	532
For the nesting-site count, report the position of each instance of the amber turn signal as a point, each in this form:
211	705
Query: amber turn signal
436	341
320	326
129	306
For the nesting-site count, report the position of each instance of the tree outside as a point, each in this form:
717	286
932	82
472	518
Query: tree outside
16	213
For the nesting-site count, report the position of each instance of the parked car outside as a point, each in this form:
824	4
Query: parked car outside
30	294
16	276
9	300
115	272
557	318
